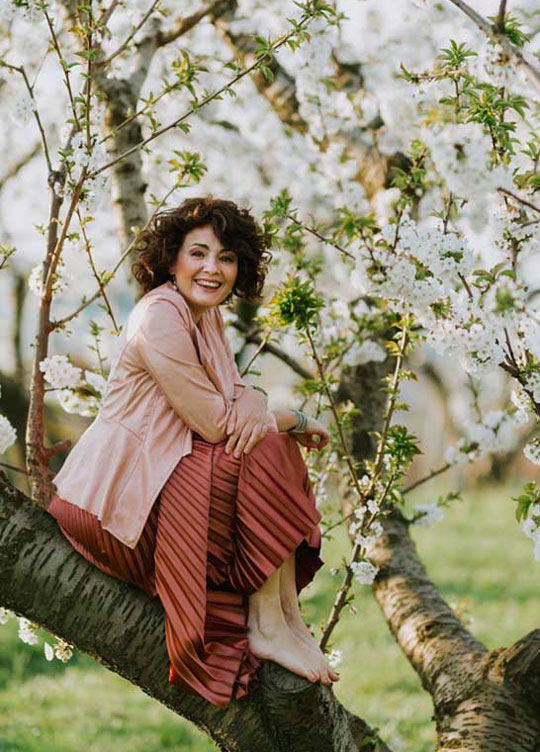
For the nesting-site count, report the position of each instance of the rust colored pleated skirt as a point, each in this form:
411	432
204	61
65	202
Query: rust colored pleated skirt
219	528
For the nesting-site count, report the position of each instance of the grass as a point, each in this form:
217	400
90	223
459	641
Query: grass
478	557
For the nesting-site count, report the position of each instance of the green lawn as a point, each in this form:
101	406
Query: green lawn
478	556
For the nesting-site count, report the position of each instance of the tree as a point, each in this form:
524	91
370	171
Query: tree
404	213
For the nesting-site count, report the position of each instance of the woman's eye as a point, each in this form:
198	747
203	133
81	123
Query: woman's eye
223	258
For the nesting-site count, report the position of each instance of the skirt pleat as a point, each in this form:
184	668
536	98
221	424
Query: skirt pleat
219	528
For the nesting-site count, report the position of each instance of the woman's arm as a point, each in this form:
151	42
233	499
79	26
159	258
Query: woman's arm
285	419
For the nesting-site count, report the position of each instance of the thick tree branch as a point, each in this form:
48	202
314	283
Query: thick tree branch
520	664
430	634
44	579
186	23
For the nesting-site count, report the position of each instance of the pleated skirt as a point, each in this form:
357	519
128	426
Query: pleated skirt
219	528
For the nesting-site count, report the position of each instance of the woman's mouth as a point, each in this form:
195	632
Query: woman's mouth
207	285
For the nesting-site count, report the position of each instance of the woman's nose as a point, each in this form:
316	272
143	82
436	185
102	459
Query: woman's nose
210	265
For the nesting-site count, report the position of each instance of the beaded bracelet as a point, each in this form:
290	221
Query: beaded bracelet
301	424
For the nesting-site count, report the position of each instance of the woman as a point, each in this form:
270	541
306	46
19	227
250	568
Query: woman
185	484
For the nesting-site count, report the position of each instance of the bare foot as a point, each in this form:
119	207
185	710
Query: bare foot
300	629
276	642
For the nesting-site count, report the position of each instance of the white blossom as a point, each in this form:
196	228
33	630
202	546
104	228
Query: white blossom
8	434
63	650
429	514
335	657
61	280
458	456
373	533
79	403
532	383
96	381
531	528
496	433
27	631
364	571
521	399
365	352
461	153
59	372
529	329
532	451
21	108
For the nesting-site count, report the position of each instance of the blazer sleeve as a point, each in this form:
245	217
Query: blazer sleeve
167	351
239	385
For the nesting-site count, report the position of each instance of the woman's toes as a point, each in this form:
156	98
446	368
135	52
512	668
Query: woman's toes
314	676
324	676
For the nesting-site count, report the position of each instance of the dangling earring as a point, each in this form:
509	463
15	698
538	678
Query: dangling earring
173	279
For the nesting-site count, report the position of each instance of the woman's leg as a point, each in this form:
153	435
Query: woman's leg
293	616
271	639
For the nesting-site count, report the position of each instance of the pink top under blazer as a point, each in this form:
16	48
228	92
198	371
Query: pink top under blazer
170	377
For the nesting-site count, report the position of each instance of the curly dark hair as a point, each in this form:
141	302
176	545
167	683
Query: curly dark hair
158	243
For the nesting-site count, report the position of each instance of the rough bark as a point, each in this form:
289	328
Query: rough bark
362	385
44	579
483	700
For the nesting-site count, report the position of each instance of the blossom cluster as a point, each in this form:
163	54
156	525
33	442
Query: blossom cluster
364	572
420	271
80	391
62	280
428	514
531	528
62	650
27	633
496	432
461	153
372	533
8	434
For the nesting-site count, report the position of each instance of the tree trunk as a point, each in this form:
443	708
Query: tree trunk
484	701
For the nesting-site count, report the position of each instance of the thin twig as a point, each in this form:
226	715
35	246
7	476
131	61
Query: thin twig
64	67
319	236
125	44
13	467
520	200
501	16
510	49
21	70
188	22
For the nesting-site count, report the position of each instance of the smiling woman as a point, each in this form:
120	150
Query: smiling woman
226	541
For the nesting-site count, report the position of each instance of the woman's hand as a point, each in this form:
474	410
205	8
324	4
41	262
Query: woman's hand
314	430
248	422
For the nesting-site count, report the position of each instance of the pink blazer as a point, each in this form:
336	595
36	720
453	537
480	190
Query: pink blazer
170	377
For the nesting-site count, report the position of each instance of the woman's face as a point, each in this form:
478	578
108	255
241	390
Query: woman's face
201	259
